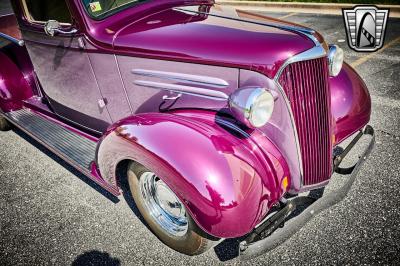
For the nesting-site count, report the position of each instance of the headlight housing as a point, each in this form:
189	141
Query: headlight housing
252	106
335	58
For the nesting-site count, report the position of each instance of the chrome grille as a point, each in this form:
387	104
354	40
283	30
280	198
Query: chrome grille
307	88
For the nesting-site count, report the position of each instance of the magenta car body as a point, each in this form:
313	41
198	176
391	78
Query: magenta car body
152	83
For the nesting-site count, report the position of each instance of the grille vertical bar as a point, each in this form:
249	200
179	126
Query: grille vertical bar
307	88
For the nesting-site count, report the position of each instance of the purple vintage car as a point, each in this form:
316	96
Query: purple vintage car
218	122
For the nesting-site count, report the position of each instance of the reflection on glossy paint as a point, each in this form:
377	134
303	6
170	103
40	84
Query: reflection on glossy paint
351	103
154	22
4	93
110	31
185	35
218	183
244	173
213	179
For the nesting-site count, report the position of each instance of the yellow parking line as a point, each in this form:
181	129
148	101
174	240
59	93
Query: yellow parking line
288	15
367	57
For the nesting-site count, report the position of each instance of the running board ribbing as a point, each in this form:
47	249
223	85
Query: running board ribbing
76	148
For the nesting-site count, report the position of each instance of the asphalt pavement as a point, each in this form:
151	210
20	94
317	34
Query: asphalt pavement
52	215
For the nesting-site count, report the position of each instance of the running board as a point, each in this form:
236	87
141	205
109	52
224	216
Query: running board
72	147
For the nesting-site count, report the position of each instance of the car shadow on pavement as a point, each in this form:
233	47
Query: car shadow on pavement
228	249
67	166
95	257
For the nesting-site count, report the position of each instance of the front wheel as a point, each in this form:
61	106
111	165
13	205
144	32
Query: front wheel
165	214
4	124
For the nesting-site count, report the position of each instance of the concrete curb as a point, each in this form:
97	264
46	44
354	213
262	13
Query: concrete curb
320	8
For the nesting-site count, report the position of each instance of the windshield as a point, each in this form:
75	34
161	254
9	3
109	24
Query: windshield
100	8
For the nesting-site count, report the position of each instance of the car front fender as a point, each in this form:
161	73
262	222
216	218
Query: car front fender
226	181
351	103
14	87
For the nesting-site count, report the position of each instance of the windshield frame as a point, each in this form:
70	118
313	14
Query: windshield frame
112	11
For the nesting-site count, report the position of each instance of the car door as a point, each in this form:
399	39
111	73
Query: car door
62	65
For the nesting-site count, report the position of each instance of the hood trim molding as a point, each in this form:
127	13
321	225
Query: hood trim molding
301	30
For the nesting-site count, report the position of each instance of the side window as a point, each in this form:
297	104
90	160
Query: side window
44	10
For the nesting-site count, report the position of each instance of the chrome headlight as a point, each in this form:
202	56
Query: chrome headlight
252	106
335	58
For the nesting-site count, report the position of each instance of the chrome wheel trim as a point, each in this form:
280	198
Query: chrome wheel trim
163	205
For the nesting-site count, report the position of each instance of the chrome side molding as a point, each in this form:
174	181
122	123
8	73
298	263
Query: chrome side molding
183	89
186	78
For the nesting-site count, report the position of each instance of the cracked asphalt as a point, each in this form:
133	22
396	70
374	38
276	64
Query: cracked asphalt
52	215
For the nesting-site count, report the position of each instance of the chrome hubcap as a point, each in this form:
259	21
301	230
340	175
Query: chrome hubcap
163	205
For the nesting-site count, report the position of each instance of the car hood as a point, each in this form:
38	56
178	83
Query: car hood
214	35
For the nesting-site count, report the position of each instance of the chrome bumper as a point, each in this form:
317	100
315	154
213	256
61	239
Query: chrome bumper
293	213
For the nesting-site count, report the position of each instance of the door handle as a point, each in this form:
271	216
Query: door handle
53	26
